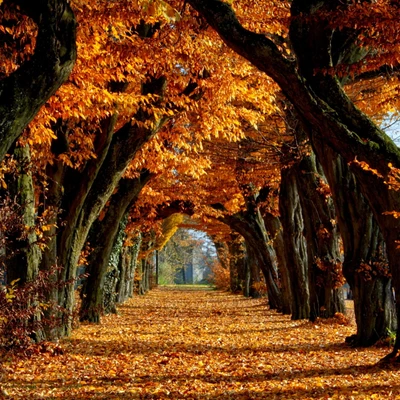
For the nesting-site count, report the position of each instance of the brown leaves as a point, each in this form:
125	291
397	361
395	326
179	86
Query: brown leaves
202	344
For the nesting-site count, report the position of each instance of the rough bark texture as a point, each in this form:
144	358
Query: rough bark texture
295	244
236	264
222	253
102	239
274	227
26	90
67	191
231	257
260	256
144	283
247	277
253	270
322	236
127	267
23	256
324	108
23	252
363	245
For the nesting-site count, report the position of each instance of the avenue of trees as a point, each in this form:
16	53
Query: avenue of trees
260	121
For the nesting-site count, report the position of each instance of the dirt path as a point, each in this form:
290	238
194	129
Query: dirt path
203	345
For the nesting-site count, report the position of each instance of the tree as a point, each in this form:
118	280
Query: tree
185	257
102	237
28	82
326	111
22	252
274	227
83	171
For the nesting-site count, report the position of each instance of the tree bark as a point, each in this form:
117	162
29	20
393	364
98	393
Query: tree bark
125	263
322	237
23	258
259	253
274	227
223	254
295	243
363	247
102	239
237	272
144	283
24	255
26	90
126	289
247	277
253	270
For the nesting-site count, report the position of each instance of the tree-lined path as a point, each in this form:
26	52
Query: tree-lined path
202	344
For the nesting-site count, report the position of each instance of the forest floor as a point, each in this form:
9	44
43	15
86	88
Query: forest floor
202	344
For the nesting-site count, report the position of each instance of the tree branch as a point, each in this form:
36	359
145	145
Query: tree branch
25	91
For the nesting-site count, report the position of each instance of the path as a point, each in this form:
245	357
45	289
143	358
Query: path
203	345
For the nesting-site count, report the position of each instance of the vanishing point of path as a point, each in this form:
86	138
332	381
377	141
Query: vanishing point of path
202	344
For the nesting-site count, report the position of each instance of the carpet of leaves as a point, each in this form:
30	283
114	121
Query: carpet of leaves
203	344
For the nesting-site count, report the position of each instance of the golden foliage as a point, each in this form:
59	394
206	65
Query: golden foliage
169	226
219	276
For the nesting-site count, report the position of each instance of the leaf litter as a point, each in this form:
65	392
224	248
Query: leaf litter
204	344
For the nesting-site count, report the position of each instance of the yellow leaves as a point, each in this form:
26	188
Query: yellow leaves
10	290
235	203
160	8
393	180
177	343
363	165
169	227
83	256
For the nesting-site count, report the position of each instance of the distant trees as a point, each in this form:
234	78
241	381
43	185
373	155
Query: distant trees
186	258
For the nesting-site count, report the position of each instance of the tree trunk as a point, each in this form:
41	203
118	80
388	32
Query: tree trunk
109	305
223	254
26	90
24	255
237	274
102	239
124	266
247	277
274	227
295	244
130	275
363	248
253	271
260	254
65	198
157	268
144	284
322	237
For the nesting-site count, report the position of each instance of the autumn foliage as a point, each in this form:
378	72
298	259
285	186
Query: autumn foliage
219	277
262	122
177	343
26	314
